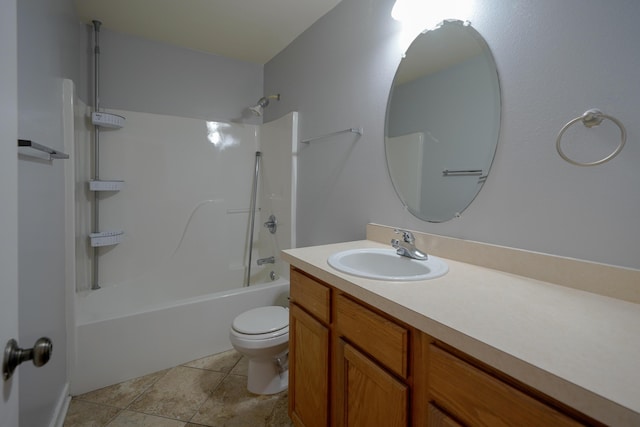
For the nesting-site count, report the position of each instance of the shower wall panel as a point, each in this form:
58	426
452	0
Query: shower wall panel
184	205
279	143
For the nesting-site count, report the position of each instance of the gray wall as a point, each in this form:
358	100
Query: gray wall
48	50
555	60
141	75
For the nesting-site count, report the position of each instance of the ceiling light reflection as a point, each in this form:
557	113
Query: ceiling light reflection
219	136
420	15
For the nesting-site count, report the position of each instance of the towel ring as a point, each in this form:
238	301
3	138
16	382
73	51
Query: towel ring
591	118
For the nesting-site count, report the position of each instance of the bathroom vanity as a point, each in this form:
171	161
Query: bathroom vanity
478	346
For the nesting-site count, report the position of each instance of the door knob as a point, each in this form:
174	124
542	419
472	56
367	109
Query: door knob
14	355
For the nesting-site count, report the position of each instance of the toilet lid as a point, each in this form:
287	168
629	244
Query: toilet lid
262	320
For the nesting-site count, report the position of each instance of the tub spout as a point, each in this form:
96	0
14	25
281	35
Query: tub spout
268	260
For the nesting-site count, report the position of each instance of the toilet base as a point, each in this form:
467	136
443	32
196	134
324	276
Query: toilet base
265	377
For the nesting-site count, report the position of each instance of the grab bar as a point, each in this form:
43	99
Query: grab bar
53	154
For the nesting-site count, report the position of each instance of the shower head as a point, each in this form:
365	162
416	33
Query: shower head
256	109
262	103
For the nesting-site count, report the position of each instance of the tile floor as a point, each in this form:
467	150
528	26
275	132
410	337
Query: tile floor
206	392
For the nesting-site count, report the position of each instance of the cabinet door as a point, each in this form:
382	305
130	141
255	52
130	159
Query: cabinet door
308	370
372	396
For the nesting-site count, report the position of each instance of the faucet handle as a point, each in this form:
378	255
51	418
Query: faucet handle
407	236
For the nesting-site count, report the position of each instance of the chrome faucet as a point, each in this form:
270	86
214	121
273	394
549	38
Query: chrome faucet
406	247
268	260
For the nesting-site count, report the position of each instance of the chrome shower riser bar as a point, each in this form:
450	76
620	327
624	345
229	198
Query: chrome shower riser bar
252	215
96	150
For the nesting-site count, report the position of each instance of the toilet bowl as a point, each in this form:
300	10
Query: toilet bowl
262	335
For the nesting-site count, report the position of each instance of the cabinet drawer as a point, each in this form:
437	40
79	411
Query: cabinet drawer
383	339
311	295
477	398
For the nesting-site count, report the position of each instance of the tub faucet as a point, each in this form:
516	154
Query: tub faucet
268	260
406	247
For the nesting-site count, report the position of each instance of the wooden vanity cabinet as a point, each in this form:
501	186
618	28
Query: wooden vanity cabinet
352	365
349	364
437	418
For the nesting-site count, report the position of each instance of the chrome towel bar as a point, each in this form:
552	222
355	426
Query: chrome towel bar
53	154
359	131
448	172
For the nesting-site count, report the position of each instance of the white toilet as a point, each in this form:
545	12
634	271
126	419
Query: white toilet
262	335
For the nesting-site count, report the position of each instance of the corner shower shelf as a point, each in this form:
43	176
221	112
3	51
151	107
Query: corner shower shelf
106	238
107	120
101	185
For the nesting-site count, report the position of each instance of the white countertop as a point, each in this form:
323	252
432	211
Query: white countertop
578	347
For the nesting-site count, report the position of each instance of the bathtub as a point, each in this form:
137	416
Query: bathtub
140	336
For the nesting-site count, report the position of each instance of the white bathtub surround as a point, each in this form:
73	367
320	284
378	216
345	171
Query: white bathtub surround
171	288
278	188
186	183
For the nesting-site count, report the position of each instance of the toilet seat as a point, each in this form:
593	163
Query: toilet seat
261	323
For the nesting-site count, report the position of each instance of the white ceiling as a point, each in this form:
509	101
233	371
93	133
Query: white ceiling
248	30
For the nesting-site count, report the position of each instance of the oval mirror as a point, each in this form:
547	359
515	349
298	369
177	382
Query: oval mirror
443	121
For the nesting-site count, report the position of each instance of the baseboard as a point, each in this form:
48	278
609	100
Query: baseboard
60	413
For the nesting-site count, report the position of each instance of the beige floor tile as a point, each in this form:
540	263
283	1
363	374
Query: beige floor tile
179	393
137	419
232	405
241	368
122	394
222	362
87	414
280	415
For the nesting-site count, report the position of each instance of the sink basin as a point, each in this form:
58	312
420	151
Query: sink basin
386	264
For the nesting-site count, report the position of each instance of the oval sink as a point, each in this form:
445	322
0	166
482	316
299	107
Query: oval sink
386	264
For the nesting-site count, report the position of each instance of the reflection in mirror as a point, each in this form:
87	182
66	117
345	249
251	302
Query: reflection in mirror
443	121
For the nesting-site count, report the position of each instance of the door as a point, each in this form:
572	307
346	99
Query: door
9	201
